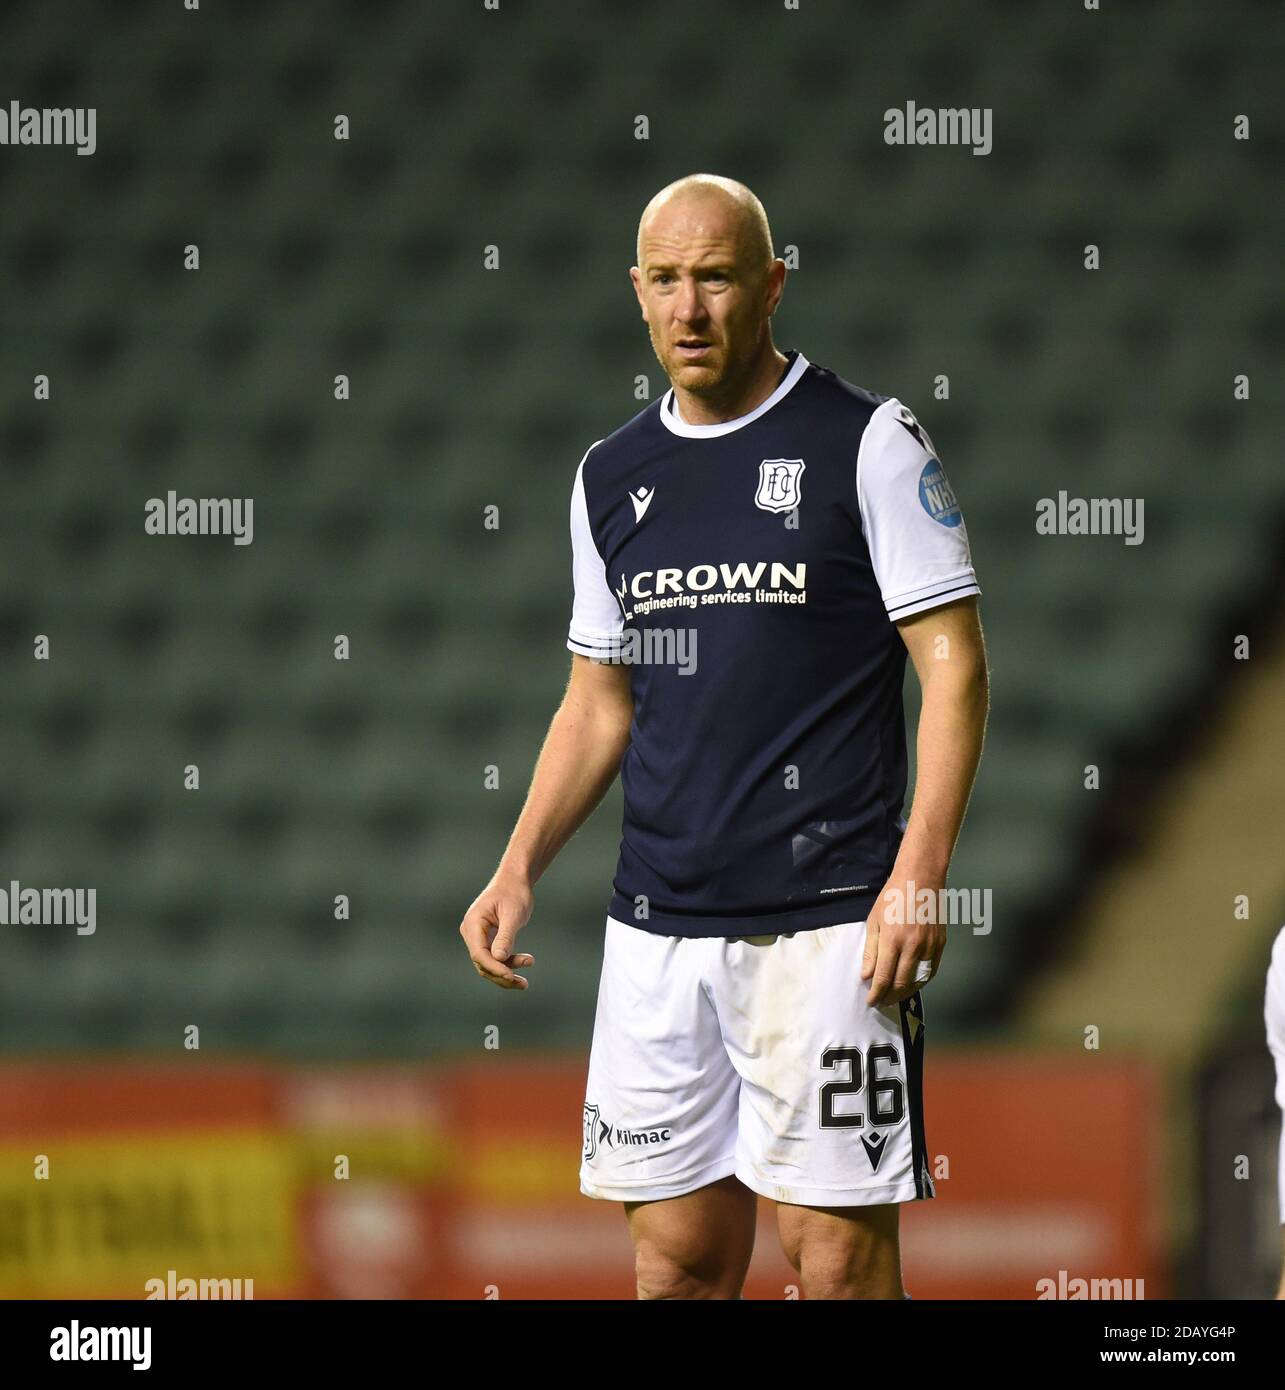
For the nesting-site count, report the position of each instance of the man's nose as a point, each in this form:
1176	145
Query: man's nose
689	306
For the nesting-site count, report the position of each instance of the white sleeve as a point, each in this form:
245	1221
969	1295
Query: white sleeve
596	621
1274	1016
911	519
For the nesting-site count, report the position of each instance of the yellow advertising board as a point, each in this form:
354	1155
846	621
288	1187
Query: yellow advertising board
116	1211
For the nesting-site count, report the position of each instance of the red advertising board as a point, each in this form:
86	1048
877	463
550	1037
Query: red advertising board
460	1181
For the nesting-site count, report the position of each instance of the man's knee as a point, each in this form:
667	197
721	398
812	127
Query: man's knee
664	1275
837	1273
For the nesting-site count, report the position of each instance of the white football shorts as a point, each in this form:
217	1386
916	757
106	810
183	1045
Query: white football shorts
755	1056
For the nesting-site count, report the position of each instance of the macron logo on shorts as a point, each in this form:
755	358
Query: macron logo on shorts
874	1147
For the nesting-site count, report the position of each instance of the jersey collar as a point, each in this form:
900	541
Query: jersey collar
670	418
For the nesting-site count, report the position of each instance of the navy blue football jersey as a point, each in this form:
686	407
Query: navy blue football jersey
750	573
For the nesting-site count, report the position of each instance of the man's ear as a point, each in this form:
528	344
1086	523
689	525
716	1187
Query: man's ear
776	284
635	279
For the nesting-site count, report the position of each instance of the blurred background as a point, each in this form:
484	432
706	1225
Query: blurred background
1098	1086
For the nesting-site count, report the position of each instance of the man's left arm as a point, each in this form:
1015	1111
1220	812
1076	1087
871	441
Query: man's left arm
949	656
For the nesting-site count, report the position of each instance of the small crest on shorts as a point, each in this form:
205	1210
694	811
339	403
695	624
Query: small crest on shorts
590	1131
780	485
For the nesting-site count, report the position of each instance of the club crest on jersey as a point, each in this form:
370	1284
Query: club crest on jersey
780	482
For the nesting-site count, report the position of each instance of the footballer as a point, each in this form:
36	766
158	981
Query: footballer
783	540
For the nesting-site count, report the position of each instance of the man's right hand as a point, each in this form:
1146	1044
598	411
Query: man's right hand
490	928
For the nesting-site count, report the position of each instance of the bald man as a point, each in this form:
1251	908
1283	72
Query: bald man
754	555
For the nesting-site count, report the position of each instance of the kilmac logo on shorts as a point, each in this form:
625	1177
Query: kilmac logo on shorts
598	1131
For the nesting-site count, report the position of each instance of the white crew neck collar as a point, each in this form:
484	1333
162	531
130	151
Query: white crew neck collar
677	425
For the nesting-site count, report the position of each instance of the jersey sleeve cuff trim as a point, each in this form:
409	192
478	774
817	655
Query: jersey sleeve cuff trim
602	647
917	602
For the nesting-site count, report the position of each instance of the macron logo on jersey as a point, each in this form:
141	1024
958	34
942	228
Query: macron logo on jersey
641	500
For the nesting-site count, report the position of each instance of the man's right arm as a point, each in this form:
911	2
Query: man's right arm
581	756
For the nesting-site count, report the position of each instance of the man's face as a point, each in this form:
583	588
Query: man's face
706	307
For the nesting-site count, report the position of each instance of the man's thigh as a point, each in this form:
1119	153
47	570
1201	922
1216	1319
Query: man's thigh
695	1246
843	1252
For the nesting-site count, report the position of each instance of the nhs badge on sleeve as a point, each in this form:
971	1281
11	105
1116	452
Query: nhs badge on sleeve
937	497
780	481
